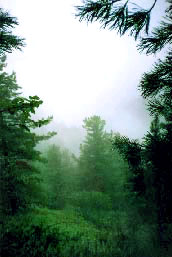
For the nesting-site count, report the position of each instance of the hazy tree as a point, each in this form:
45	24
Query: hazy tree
58	175
101	168
54	177
93	154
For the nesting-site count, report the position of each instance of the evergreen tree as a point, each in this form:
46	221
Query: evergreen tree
92	154
155	87
58	176
157	149
17	145
98	164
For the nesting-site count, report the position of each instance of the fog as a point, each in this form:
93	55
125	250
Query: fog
79	70
83	190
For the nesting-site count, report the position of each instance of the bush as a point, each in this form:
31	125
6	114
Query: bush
51	233
91	200
65	233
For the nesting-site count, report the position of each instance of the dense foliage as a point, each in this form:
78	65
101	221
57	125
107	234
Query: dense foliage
112	200
17	145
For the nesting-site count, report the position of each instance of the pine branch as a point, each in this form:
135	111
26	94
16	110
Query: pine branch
8	42
159	79
116	15
6	21
161	36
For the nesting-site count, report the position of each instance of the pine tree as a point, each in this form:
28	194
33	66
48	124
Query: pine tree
17	145
99	165
157	149
155	87
93	154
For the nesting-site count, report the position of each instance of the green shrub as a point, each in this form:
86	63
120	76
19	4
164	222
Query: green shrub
51	233
57	233
91	200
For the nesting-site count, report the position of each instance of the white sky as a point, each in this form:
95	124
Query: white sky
79	70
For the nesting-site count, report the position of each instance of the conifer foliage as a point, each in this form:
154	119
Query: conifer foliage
93	154
98	163
8	41
128	17
150	162
18	177
17	144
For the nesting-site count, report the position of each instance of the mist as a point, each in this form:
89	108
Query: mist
85	129
80	70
